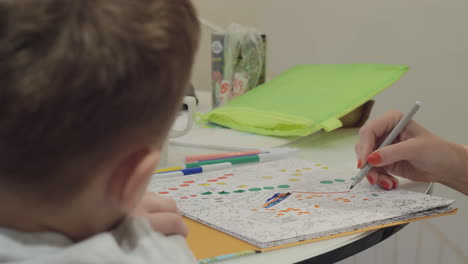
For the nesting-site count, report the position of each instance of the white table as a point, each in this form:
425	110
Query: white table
336	149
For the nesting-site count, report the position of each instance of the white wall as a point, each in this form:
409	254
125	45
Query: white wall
430	36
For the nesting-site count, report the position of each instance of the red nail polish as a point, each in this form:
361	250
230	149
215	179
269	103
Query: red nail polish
395	183
374	158
359	164
385	184
370	179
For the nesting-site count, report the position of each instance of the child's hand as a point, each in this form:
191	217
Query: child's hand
416	154
162	213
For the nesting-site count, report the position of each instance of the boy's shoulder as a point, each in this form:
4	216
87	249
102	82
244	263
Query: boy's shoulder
132	242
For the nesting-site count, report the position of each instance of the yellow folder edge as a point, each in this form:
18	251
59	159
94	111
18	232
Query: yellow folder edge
207	242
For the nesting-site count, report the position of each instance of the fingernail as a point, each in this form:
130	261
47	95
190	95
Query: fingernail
370	179
395	183
359	164
385	184
374	158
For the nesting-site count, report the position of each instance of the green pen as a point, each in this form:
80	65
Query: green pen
245	159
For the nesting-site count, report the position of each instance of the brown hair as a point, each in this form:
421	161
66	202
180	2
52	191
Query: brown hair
78	77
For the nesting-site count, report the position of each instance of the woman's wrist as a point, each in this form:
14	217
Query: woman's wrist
457	177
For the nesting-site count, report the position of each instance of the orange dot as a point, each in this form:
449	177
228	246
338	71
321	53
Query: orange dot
308	197
366	199
273	209
306	212
284	211
296	209
254	209
280	214
347	201
316	206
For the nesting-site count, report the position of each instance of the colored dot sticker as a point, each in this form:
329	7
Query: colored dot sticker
283	186
184	185
183	197
242	186
326	182
228	174
173	189
221	183
206	193
189	181
325	168
339	180
375	194
318	165
193	195
297	174
163	192
239	191
254	189
267	177
294	180
204	184
222	178
284	170
268	188
223	192
306	168
214	180
353	178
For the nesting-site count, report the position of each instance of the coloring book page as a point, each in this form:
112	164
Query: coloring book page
291	200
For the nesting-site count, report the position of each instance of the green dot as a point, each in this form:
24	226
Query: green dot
375	194
353	178
339	180
206	193
239	191
254	189
283	186
326	182
223	192
268	188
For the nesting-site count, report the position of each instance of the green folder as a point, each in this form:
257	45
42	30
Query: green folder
306	98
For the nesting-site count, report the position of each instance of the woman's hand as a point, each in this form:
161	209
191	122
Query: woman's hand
416	154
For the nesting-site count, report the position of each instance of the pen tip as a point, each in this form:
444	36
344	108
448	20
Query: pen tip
350	187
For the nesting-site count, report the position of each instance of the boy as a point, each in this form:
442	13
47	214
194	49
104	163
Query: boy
88	92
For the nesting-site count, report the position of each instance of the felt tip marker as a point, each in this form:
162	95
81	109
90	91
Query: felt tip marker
194	170
244	159
196	158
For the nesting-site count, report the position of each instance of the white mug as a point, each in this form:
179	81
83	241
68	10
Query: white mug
191	104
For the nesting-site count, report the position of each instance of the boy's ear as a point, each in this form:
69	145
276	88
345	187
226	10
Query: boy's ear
129	180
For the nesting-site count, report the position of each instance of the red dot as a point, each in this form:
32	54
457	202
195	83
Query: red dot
189	181
193	195
163	192
212	180
222	177
183	197
173	189
184	185
228	174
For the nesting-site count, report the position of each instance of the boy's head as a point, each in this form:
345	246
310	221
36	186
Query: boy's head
81	82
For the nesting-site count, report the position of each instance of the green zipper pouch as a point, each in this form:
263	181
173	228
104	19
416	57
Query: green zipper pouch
305	99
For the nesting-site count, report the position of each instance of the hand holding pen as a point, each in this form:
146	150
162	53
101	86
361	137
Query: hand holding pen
394	133
416	154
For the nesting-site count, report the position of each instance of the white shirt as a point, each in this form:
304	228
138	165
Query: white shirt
132	242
